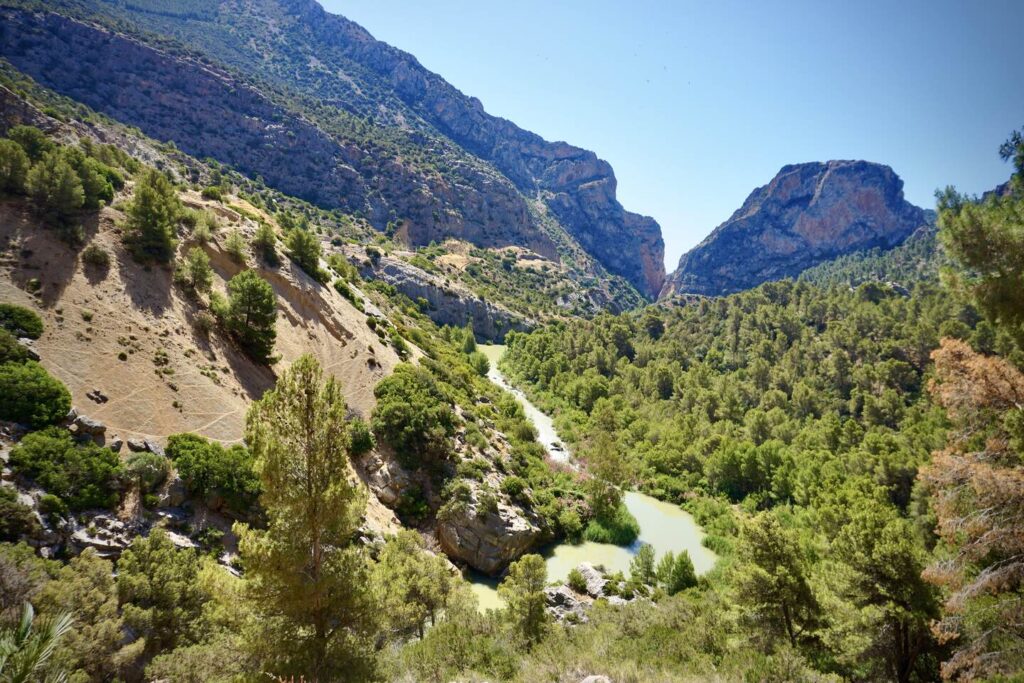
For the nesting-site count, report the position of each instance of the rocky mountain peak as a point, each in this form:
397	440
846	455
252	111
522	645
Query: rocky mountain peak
807	214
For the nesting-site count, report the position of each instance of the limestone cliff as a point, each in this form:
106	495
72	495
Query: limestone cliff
807	214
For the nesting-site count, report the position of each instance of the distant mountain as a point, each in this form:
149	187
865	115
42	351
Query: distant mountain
318	108
808	214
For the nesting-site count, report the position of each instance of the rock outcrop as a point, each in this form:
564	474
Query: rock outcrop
807	214
449	303
488	540
403	166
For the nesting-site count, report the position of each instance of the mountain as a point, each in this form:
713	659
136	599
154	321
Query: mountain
319	109
809	213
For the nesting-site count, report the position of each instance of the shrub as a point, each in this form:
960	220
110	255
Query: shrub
20	321
82	475
263	243
148	470
576	580
209	469
478	361
16	518
304	248
52	505
29	395
235	246
513	486
96	256
619	528
10	350
676	573
213	193
362	436
194	273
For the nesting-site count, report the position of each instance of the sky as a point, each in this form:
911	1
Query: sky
695	104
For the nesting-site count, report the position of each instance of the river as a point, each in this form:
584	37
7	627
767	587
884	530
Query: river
665	526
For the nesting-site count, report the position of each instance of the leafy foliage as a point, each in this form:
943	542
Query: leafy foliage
251	312
154	214
82	475
29	395
210	470
414	415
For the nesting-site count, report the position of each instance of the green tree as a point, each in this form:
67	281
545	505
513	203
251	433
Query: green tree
29	395
211	471
55	187
96	187
264	243
306	575
304	248
82	475
888	561
414	415
641	567
251	313
194	272
772	581
235	246
675	572
985	238
94	650
153	216
608	473
413	584
14	167
32	140
523	591
156	586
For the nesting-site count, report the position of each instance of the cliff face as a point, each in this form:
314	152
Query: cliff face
807	214
383	145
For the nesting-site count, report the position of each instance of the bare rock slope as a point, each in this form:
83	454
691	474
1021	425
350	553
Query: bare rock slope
807	214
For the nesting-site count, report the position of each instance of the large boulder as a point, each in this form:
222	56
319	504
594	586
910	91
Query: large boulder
596	582
488	541
90	426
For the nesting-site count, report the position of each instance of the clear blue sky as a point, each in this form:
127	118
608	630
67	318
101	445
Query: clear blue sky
697	103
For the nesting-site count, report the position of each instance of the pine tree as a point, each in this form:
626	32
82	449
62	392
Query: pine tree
14	166
305	574
153	217
251	312
523	590
55	187
304	248
195	273
413	585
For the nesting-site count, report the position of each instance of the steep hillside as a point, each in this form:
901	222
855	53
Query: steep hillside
807	214
321	110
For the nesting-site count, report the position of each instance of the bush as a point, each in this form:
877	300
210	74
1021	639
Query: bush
304	248
21	322
621	528
30	396
513	486
82	475
362	437
96	256
148	470
10	350
213	193
576	580
209	469
235	246
16	518
263	243
478	361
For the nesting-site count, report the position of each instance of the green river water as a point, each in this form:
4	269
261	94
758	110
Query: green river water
665	526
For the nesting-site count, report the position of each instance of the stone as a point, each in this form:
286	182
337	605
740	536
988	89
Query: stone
154	447
116	443
171	493
488	542
595	580
30	347
564	605
807	214
89	426
136	445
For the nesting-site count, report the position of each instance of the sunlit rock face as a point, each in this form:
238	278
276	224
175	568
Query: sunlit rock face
807	214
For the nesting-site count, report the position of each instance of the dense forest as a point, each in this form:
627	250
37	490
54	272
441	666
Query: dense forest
851	442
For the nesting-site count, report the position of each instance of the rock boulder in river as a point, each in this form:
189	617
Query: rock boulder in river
488	541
